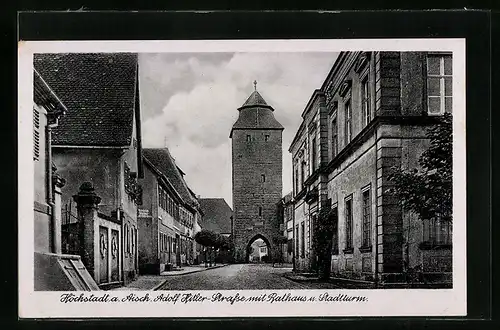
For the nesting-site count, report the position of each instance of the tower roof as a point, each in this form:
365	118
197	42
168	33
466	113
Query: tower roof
255	113
255	99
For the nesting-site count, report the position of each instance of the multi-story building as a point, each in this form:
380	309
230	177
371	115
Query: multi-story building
370	115
97	149
286	212
168	215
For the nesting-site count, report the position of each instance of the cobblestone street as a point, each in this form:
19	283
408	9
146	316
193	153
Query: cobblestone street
238	277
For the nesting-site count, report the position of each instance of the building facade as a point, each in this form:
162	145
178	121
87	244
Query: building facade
286	212
369	117
97	147
256	173
169	215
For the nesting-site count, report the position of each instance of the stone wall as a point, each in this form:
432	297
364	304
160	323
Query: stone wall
251	161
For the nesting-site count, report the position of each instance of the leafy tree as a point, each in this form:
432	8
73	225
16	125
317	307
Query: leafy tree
208	239
279	241
322	241
428	191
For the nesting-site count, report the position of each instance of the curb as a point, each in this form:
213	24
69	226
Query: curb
332	280
155	288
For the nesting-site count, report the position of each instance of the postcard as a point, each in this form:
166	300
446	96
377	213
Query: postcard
238	178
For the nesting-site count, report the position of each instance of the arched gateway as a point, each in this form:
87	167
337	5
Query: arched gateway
257	174
267	242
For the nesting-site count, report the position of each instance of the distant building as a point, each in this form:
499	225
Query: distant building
370	115
97	149
285	219
257	174
217	215
169	215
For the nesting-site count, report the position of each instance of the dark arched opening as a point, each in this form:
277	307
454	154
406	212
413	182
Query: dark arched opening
255	251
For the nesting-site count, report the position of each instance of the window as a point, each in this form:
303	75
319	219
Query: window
36	134
297	189
348	223
126	234
262	178
260	211
296	241
437	232
313	154
303	174
348	122
249	138
335	142
439	84
365	101
266	138
335	240
367	218
302	240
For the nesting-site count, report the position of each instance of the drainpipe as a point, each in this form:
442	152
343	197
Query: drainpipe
50	198
293	236
376	213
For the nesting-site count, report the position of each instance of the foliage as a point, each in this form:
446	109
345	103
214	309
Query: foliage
322	240
428	191
280	239
206	238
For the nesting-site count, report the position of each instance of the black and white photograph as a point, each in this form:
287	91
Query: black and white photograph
248	169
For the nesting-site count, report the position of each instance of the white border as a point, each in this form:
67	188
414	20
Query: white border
390	302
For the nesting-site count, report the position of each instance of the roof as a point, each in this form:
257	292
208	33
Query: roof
255	99
217	215
165	163
44	96
255	113
99	92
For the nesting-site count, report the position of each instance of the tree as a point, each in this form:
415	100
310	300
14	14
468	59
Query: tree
428	191
279	241
323	240
208	239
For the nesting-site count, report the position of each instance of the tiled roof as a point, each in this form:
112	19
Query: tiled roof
165	163
255	113
99	93
217	215
255	99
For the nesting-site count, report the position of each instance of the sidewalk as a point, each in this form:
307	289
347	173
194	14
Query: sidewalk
342	282
152	282
190	269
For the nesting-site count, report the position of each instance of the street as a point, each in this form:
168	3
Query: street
234	277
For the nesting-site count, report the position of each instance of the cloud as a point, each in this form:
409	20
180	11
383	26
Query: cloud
189	103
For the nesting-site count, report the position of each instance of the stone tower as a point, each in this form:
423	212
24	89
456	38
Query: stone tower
257	160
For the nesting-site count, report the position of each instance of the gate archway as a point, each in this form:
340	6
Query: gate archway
251	241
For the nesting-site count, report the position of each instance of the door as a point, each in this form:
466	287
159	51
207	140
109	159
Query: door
115	255
178	250
103	255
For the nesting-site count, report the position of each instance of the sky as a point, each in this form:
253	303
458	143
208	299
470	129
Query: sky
189	103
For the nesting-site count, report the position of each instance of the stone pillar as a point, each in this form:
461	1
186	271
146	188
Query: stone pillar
87	205
58	183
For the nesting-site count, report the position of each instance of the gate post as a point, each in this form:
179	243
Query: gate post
87	203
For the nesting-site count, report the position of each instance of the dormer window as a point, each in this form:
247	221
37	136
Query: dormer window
262	178
266	137
249	138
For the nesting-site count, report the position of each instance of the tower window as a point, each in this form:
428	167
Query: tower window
266	138
262	178
260	211
249	138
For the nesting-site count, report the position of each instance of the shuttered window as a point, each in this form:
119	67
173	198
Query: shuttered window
36	134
